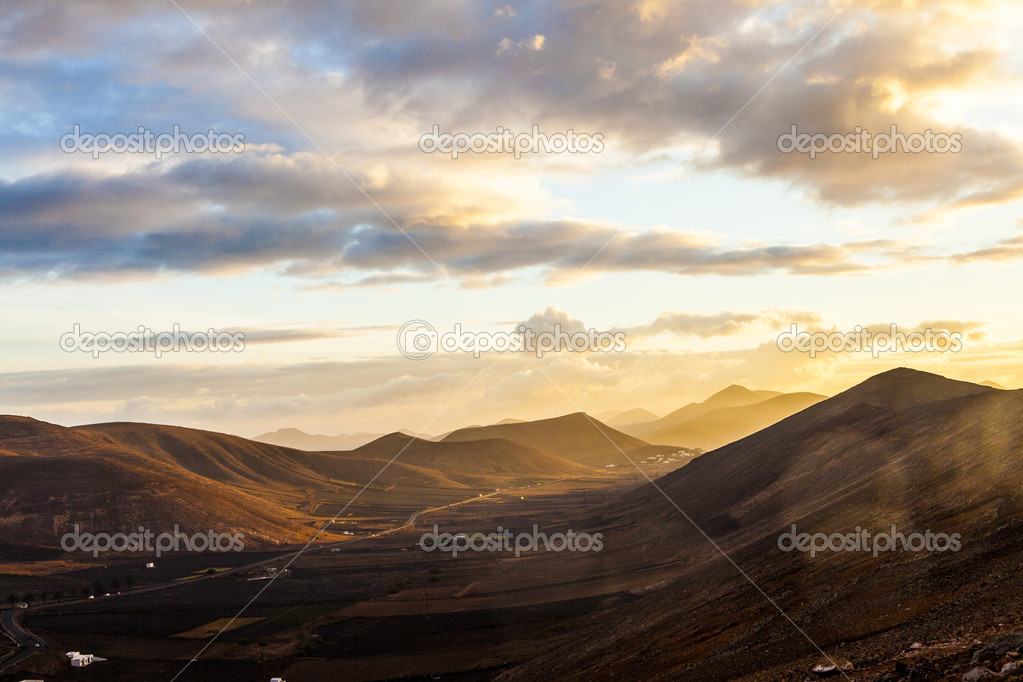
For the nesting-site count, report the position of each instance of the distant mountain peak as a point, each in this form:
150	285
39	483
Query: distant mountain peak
287	431
636	415
734	389
393	437
575	436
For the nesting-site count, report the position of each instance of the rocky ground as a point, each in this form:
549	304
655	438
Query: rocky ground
996	653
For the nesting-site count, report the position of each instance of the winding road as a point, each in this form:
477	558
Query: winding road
31	644
28	642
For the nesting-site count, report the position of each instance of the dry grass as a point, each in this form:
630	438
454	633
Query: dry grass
219	625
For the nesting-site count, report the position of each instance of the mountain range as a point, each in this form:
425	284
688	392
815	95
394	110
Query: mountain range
128	474
692	581
904	448
726	416
576	437
300	440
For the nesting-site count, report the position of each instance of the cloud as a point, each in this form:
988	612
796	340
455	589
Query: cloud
589	66
707	49
294	214
390	392
1005	250
508	46
704	325
290	335
658	81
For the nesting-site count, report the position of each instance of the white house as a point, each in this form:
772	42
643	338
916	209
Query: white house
80	660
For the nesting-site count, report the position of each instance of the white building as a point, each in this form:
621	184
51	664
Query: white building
80	660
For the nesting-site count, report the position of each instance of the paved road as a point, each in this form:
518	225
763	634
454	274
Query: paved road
28	641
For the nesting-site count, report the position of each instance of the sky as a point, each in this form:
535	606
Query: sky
327	228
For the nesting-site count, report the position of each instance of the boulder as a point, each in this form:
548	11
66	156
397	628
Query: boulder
833	666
